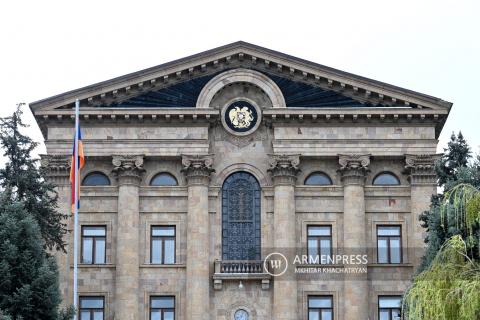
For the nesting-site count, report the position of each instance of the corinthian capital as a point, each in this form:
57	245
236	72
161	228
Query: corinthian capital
129	168
197	168
353	168
421	168
284	168
56	168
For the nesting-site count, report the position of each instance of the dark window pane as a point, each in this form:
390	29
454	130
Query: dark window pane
386	179
384	315
312	248
163	179
87	253
96	179
325	247
100	251
318	178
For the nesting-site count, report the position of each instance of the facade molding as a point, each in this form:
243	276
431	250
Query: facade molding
421	168
56	168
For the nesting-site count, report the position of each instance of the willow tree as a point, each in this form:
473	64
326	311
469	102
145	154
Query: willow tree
449	288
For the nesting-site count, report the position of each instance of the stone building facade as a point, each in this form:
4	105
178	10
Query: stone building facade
199	169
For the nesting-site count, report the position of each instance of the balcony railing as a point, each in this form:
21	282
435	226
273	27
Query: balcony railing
241	270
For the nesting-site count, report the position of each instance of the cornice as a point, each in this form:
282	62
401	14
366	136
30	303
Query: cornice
244	55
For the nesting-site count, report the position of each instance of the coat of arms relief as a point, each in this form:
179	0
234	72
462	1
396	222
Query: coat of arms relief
241	117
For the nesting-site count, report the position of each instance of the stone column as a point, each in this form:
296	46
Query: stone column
353	170
57	171
423	182
129	170
284	170
197	170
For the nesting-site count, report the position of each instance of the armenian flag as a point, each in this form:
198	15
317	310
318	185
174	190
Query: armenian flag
80	161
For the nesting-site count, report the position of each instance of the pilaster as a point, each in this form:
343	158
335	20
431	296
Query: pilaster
423	184
353	170
284	170
197	170
129	170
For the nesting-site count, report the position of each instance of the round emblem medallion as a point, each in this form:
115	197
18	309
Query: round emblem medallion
240	117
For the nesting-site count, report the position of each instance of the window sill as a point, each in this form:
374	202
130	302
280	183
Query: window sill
390	265
96	265
161	266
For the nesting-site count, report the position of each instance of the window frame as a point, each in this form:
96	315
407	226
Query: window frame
166	173
390	310
318	239
319	310
318	173
96	185
162	310
163	238
390	173
94	247
90	310
388	239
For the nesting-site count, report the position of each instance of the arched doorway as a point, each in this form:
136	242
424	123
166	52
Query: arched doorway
241	217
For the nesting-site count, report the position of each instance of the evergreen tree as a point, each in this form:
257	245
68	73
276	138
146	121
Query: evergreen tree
452	169
22	181
28	275
456	156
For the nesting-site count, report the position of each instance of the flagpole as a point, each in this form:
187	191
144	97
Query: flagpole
75	225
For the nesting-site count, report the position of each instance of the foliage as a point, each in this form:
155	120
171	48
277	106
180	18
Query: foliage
453	169
28	275
22	181
448	289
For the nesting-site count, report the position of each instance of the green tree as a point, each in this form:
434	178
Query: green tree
28	275
453	169
22	181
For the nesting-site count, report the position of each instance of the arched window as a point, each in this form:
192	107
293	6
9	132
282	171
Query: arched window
96	179
318	179
386	179
163	179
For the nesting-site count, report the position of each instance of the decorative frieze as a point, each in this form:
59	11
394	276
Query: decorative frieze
128	168
354	168
56	168
284	168
197	168
421	168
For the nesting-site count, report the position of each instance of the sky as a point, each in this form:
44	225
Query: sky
49	47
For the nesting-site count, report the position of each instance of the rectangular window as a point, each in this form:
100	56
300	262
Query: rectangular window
320	308
162	245
389	244
389	307
162	308
91	308
319	244
93	244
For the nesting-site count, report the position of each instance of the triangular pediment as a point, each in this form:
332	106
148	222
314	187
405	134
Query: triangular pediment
304	84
